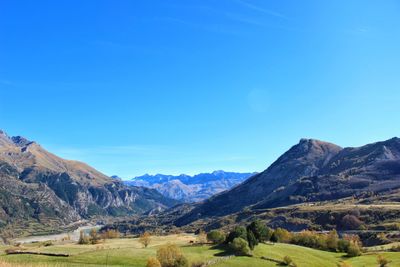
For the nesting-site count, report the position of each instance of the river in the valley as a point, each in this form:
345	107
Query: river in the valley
73	235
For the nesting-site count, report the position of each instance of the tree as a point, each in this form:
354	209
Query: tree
252	240
353	250
332	240
145	239
351	222
382	261
238	231
83	238
260	230
171	256
343	245
153	262
280	235
110	233
240	247
216	237
288	261
94	236
202	237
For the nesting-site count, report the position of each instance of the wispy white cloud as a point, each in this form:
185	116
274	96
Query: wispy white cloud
209	27
261	9
221	27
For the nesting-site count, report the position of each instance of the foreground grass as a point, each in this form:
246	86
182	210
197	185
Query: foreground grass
301	256
113	252
129	252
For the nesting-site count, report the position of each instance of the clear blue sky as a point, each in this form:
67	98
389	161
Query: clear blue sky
134	87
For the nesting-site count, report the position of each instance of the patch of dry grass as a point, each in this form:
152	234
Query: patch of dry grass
6	264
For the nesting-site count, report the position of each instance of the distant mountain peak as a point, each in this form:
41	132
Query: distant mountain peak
190	188
310	148
316	142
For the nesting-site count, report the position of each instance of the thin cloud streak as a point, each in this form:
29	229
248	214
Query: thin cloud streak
262	10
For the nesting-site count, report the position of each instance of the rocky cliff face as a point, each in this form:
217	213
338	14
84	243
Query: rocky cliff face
36	185
310	171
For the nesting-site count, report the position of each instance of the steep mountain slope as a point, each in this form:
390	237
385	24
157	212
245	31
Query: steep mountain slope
191	188
37	185
312	170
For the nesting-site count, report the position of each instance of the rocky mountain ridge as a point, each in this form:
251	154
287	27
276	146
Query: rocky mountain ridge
311	170
188	188
36	186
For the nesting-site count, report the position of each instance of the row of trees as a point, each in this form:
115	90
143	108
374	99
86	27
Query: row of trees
349	244
94	237
244	239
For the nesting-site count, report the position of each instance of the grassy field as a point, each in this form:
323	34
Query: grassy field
129	252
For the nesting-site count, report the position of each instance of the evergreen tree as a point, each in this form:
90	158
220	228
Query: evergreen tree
260	230
252	240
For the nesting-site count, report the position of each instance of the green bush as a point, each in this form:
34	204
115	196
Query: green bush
332	240
216	237
353	250
281	236
239	231
343	245
240	247
171	256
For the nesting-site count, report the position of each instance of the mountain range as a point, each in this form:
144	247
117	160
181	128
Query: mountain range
188	188
38	188
41	191
310	171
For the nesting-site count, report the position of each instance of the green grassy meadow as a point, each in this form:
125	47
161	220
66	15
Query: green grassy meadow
129	252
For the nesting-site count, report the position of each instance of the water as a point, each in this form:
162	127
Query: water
73	235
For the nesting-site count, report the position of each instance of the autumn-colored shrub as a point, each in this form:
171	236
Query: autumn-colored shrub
145	239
